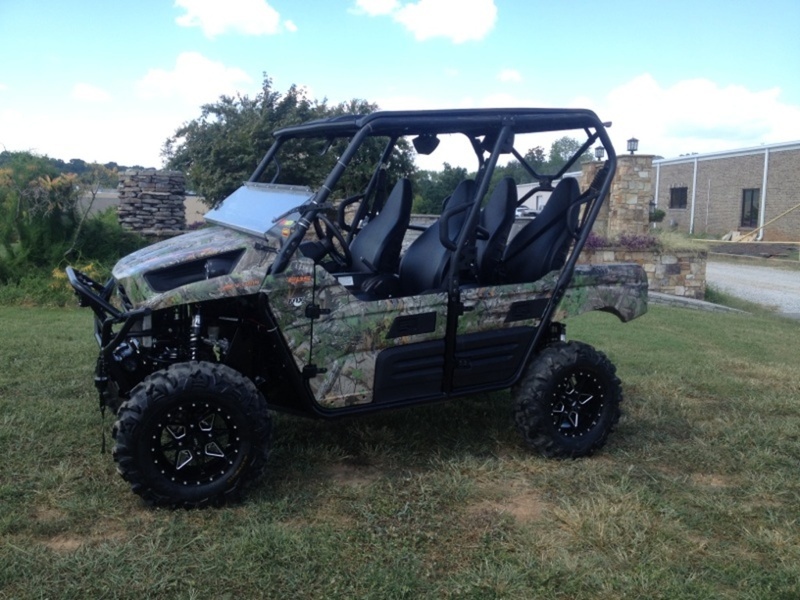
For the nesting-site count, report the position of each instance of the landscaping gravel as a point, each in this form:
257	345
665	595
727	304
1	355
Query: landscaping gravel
769	286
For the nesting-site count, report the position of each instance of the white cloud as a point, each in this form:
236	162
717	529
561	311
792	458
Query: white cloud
89	93
290	26
376	7
458	20
509	76
195	79
3	87
697	115
694	115
248	17
126	138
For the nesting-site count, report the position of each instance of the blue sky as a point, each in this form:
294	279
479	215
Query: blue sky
110	81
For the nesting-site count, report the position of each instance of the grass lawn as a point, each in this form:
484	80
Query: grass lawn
696	495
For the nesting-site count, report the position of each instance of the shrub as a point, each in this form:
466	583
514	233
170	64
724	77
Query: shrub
638	242
629	241
103	240
596	242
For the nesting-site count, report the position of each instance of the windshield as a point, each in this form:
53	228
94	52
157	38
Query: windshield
256	208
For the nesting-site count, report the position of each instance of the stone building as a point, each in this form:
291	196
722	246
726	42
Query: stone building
738	190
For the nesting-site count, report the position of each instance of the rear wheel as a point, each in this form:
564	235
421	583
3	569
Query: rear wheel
568	401
192	435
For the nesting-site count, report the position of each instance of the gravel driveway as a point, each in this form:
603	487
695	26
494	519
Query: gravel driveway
769	286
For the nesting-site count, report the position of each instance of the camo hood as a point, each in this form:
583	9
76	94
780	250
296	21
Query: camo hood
211	262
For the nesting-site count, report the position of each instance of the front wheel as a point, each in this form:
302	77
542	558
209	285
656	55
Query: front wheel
568	401
192	435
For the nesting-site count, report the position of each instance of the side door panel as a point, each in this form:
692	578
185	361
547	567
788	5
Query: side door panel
350	333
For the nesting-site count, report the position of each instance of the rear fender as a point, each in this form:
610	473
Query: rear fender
620	289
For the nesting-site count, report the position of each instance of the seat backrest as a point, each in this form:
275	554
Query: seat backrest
497	217
542	245
376	248
426	262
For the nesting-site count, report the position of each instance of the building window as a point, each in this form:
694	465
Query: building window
677	197
750	200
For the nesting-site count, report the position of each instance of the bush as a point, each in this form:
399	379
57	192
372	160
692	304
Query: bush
628	241
33	272
104	241
37	289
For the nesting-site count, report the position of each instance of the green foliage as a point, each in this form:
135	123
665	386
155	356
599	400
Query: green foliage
42	228
433	187
104	241
221	148
76	166
562	150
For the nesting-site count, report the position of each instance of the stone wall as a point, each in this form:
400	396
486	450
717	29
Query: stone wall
674	272
627	208
151	202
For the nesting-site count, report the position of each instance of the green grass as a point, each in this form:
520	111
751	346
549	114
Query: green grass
717	296
696	494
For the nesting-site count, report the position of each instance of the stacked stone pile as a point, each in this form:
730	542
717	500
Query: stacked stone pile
151	202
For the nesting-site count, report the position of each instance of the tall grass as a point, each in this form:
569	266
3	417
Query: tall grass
695	496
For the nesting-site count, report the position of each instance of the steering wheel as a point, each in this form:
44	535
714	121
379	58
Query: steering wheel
333	241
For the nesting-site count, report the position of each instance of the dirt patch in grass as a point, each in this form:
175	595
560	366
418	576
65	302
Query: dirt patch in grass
103	532
711	480
48	514
351	475
524	507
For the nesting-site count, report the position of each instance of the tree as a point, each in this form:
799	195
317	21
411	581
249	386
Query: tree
38	211
94	177
433	187
562	150
220	149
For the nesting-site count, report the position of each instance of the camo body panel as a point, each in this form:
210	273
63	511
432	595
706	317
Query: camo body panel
246	278
347	340
620	289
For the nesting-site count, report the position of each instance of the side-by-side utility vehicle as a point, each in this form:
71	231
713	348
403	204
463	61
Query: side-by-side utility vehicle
325	298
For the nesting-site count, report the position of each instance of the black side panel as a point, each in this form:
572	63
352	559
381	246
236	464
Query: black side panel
412	325
490	357
411	371
482	359
525	310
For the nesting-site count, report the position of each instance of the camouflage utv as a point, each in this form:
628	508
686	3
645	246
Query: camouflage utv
328	302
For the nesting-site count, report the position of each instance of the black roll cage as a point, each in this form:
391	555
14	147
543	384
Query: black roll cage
498	125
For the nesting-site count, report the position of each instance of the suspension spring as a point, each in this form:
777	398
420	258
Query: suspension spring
194	335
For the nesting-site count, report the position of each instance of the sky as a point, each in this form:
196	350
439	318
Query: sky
105	80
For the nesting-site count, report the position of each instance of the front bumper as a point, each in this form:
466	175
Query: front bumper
112	328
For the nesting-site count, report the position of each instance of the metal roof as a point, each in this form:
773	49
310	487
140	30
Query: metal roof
689	158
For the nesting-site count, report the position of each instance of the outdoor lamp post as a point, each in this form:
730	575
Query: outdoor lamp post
599	152
633	145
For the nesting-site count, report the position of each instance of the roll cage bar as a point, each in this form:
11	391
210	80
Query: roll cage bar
493	125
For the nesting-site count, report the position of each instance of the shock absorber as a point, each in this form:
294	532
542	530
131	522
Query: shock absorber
194	334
